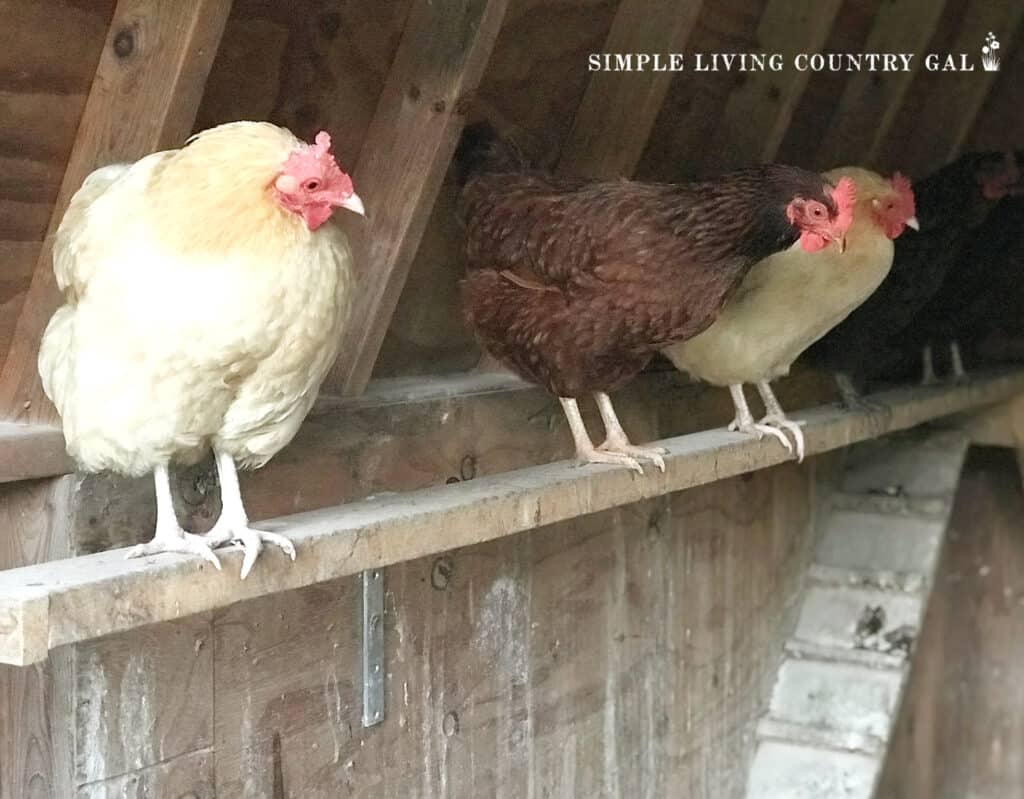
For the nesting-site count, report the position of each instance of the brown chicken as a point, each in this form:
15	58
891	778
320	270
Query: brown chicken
574	284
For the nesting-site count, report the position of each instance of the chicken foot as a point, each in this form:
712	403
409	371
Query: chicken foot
744	421
233	524
957	359
852	399
775	416
928	377
616	439
169	536
586	452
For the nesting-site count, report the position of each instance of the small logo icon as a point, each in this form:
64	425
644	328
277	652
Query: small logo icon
990	53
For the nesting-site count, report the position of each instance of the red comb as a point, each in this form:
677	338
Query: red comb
845	196
901	185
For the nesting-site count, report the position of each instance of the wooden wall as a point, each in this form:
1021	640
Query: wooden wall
961	730
282	61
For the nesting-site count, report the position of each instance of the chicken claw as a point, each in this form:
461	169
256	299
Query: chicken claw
249	540
759	431
776	421
182	543
652	454
604	456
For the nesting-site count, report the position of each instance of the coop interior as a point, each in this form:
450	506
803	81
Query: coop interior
470	613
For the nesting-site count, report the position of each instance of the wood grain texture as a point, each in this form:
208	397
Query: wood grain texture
618	110
960	732
760	108
627	653
101	594
45	72
28	452
143	98
409	144
871	100
695	102
187	777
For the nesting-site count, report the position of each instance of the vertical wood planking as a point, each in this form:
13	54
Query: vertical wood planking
760	108
410	142
144	97
871	100
615	118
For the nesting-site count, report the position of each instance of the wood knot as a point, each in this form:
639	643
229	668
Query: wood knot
441	573
450	725
414	92
124	43
439	106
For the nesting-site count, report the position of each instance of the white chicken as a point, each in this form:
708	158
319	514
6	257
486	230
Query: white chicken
205	295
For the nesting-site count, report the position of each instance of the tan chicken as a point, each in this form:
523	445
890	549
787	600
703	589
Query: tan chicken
205	294
791	299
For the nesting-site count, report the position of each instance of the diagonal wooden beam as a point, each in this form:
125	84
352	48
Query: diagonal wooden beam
615	118
759	111
147	88
870	101
409	145
953	100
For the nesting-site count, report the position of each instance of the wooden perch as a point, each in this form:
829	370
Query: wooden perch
759	110
62	602
144	98
615	118
28	452
441	57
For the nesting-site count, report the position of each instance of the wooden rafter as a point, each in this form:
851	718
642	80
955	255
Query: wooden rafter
954	99
144	97
759	111
615	118
409	145
871	100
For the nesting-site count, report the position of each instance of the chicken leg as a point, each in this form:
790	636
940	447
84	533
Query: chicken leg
170	537
744	421
586	452
775	416
616	439
852	399
928	377
957	360
233	524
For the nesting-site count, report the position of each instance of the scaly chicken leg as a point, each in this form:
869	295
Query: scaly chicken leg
586	452
169	536
616	439
744	421
233	524
775	416
928	377
957	359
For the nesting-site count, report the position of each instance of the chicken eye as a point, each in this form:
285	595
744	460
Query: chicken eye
816	211
311	185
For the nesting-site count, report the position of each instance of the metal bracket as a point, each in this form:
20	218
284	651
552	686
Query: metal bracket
373	647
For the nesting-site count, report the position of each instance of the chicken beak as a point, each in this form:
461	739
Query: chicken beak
841	243
353	204
913	223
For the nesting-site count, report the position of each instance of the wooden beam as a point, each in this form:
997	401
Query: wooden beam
759	110
948	102
615	118
871	100
409	145
28	452
49	605
144	97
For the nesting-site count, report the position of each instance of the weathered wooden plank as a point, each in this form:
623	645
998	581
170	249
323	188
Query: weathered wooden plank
101	594
615	118
760	108
961	732
31	451
871	100
144	97
187	777
408	147
627	653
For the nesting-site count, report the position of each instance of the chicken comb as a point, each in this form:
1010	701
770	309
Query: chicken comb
845	197
315	161
901	185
